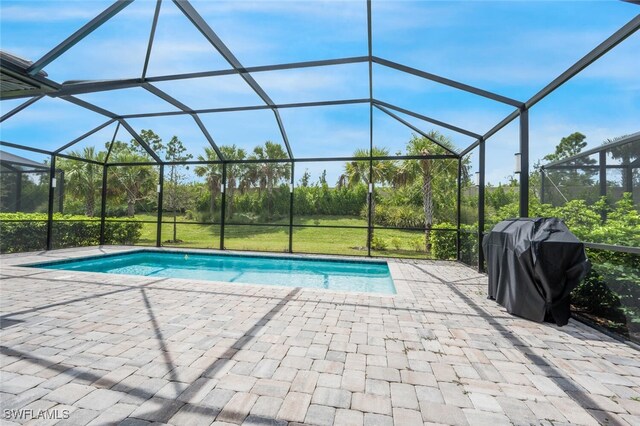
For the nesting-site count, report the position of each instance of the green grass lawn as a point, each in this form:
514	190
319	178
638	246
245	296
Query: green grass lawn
399	243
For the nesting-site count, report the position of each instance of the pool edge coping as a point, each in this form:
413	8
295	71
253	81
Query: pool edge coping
401	286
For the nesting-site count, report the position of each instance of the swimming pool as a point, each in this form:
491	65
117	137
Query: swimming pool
347	275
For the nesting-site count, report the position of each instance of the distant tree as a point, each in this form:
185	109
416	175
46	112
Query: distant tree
236	175
84	180
568	147
358	171
423	171
576	182
152	140
304	180
626	153
268	174
322	179
212	174
133	183
175	151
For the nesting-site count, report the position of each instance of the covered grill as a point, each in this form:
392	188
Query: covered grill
533	264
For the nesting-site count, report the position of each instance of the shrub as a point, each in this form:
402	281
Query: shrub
20	232
322	200
397	216
396	243
443	243
594	295
378	243
417	243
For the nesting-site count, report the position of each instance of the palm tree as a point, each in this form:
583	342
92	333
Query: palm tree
138	182
235	173
358	171
627	153
268	174
213	172
213	175
422	170
84	180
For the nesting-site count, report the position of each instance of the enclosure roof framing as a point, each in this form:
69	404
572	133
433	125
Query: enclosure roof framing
84	136
596	53
222	48
76	37
633	138
412	127
69	89
7	159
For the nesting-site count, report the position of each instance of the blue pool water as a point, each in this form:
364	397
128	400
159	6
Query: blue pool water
369	277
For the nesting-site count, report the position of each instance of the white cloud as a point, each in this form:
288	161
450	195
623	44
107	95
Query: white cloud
316	84
47	12
335	9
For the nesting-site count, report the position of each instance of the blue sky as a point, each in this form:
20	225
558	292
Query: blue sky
511	48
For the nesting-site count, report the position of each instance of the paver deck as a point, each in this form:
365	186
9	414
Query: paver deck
111	349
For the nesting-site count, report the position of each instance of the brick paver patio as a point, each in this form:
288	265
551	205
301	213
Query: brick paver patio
110	349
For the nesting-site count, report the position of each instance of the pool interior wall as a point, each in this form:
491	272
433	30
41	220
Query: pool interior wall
342	275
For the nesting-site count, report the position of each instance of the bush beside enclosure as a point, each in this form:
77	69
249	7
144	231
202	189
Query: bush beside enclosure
20	232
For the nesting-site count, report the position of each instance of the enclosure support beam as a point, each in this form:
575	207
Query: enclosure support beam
616	38
251	108
21	107
370	189
223	208
152	34
628	180
166	97
448	82
495	129
291	189
76	37
524	163
86	135
142	143
110	148
283	132
125	83
459	203
184	108
61	192
543	177
26	148
18	205
103	203
415	129
204	28
285	160
611	42
429	119
52	181
89	106
160	194
207	136
602	167
481	190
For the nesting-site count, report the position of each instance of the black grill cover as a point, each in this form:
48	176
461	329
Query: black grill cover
533	264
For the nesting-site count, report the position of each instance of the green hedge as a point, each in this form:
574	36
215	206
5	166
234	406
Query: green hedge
444	244
396	216
20	232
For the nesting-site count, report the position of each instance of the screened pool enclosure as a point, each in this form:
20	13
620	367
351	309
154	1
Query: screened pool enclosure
234	154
